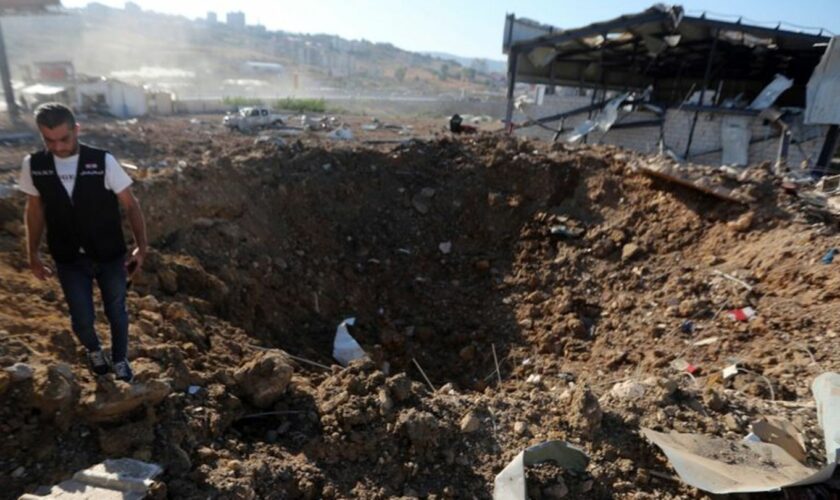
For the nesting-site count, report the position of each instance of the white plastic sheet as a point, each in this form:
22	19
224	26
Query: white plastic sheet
345	347
510	483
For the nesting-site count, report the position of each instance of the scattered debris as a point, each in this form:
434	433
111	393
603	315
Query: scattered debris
767	460
742	314
721	467
341	134
703	342
730	371
682	365
703	179
828	258
733	278
456	126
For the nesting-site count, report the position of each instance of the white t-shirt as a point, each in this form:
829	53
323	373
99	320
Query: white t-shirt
116	179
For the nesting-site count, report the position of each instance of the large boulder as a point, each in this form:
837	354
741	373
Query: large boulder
264	379
122	399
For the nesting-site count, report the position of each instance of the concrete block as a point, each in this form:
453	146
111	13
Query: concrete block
124	474
76	490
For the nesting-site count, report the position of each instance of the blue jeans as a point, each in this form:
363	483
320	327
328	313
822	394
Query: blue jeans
77	282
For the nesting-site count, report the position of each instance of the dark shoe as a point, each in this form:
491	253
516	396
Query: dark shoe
122	371
98	362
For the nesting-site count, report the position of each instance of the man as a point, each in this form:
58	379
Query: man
75	191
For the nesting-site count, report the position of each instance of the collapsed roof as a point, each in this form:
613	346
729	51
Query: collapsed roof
665	48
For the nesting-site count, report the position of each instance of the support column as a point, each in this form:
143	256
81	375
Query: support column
513	57
11	106
706	76
832	139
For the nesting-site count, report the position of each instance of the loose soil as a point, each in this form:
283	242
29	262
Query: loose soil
583	281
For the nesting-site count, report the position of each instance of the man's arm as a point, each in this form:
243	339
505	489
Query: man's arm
34	222
138	226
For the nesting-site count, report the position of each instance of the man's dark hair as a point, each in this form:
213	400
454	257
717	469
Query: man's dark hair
53	114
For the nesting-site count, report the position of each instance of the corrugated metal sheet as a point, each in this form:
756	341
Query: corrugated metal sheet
824	88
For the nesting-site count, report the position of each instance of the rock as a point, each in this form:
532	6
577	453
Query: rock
400	386
731	423
687	308
168	280
123	399
19	472
54	389
265	379
520	428
445	247
427	192
386	404
742	223
470	423
585	413
5	381
713	399
15	228
148	302
559	490
420	427
146	327
628	390
630	251
420	204
467	353
482	265
20	372
207	454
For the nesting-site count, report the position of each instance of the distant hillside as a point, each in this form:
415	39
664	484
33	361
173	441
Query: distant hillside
484	65
198	58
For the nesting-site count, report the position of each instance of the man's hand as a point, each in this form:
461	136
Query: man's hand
38	268
135	261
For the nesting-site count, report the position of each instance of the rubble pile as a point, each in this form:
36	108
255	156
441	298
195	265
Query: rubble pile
506	293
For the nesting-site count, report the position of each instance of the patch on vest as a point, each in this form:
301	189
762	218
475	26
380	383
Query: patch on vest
90	166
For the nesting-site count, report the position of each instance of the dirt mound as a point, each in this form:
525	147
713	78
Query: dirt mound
585	283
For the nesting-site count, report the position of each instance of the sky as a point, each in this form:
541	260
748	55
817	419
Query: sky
471	28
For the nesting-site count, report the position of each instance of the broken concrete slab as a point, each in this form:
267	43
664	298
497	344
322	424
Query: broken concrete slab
76	490
124	474
118	479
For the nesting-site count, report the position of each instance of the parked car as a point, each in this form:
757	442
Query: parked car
252	118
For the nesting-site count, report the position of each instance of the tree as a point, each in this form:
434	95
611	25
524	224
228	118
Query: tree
468	74
444	72
399	73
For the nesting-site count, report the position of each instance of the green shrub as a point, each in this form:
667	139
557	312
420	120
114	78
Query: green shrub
301	105
241	102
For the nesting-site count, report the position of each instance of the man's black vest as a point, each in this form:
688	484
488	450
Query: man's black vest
90	219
